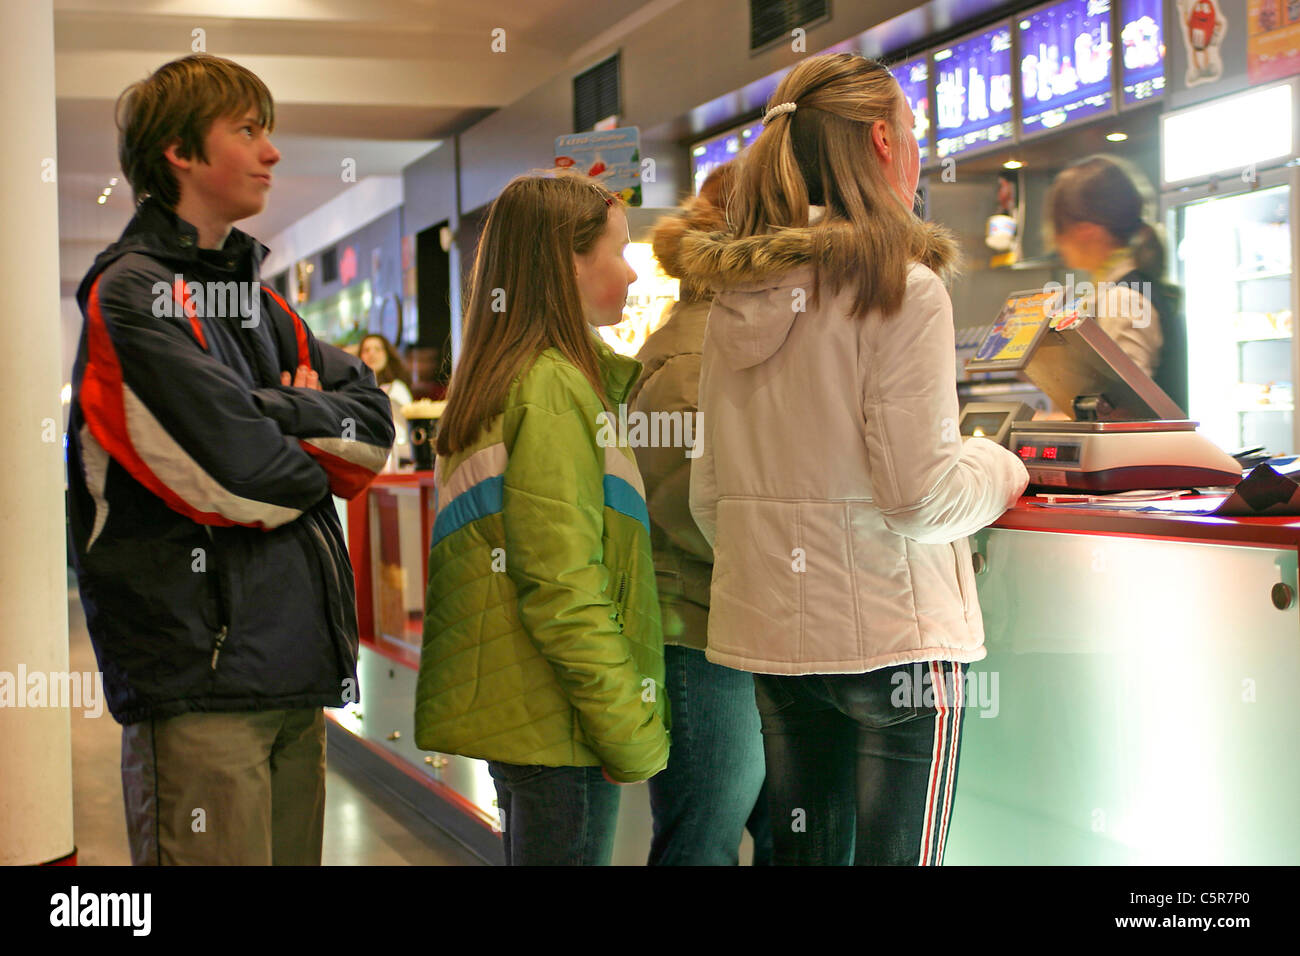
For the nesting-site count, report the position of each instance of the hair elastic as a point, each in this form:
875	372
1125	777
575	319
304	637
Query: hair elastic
777	110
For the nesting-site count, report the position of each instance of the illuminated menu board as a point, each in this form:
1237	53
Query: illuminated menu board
913	76
1065	61
973	91
1142	36
712	153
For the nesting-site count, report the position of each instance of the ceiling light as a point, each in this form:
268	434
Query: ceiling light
101	200
1012	164
113	181
1117	137
108	190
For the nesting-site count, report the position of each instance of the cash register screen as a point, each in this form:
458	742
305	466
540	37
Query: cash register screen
985	425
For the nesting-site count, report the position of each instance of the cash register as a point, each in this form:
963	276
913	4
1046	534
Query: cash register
1125	433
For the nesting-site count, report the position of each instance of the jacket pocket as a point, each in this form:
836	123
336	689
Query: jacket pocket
959	567
336	595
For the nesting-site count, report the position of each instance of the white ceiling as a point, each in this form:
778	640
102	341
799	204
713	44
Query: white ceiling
378	81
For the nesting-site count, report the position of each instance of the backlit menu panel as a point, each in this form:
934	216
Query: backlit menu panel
913	76
1065	63
973	92
712	153
1142	37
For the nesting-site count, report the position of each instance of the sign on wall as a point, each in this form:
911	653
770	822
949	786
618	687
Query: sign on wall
611	157
1272	39
1203	27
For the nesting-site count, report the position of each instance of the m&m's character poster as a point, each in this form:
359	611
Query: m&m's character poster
1203	28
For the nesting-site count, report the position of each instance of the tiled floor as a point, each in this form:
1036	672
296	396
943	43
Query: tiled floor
362	825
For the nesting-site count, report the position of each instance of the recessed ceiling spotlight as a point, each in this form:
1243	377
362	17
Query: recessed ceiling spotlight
1117	137
1012	164
101	200
113	181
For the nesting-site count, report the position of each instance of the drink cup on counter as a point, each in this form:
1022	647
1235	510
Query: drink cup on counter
422	421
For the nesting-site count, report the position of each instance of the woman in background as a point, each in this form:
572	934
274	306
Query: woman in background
382	359
1095	210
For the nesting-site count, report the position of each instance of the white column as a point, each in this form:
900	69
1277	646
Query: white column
35	741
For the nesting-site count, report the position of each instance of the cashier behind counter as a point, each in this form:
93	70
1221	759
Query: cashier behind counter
1095	212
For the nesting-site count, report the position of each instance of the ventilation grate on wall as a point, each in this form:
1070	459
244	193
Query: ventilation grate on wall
771	20
595	94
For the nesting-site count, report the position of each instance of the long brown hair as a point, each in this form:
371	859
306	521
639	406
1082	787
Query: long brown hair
523	296
822	154
394	368
1114	195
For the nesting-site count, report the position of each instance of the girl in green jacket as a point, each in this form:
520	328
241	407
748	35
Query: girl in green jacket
543	651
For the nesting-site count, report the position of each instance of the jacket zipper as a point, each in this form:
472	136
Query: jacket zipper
618	601
216	647
223	631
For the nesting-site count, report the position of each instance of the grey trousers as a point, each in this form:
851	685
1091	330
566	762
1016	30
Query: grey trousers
242	789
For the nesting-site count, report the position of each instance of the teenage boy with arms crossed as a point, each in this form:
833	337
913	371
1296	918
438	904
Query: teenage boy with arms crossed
206	434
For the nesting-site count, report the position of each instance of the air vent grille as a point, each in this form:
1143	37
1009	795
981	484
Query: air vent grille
770	20
595	95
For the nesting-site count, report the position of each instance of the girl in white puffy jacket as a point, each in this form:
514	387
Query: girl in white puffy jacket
833	483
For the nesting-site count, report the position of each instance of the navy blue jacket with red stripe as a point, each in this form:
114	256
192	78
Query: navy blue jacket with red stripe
209	554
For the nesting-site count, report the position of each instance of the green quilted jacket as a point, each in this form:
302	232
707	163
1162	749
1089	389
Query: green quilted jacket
542	638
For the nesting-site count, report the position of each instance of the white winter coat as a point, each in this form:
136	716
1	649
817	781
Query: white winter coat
833	483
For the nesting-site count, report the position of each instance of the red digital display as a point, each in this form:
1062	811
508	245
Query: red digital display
1049	451
1027	451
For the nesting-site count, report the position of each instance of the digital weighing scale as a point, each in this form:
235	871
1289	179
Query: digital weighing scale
1127	434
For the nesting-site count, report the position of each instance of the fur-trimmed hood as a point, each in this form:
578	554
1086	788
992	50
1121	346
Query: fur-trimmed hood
757	279
721	261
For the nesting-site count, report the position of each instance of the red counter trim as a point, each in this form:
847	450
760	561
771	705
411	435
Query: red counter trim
1279	532
68	860
398	655
359	544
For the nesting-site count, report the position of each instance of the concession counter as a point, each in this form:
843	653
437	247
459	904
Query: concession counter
1133	707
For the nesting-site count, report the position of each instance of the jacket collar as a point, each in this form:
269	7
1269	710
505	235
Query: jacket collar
1117	265
158	232
618	372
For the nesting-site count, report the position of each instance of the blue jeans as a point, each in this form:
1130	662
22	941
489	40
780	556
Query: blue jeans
555	816
861	768
712	789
